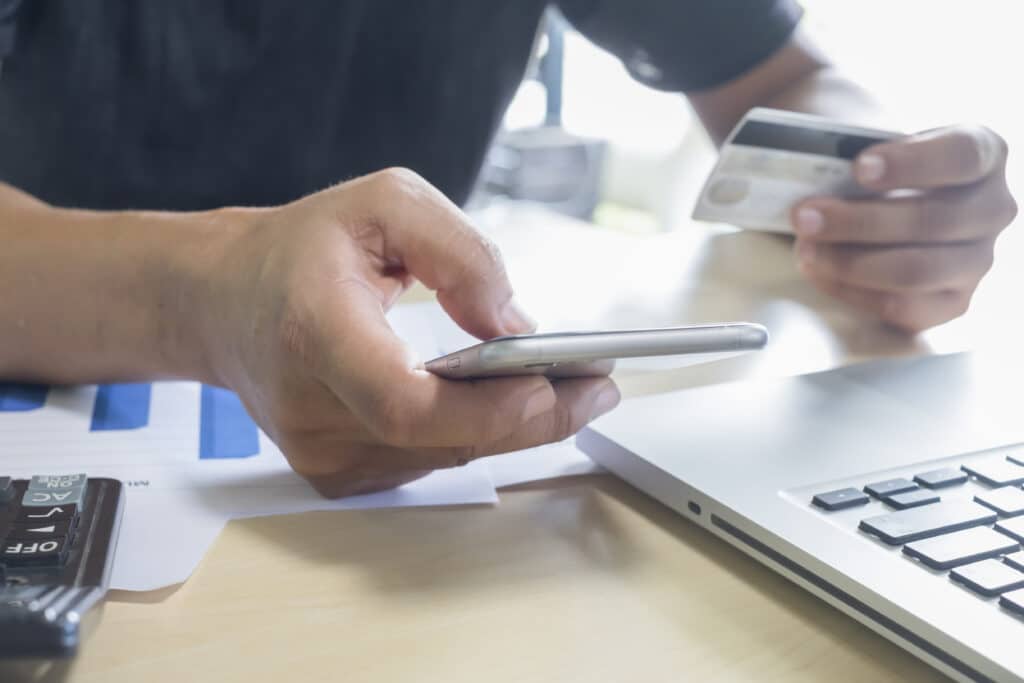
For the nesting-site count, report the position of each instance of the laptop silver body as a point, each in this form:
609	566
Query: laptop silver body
745	461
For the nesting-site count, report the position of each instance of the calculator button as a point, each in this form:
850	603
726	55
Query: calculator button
897	528
938	479
51	551
952	550
20	596
996	472
46	482
912	499
988	577
53	497
840	499
1008	501
40	530
34	515
889	487
6	490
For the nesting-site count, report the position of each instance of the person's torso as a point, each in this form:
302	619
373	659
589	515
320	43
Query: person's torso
200	103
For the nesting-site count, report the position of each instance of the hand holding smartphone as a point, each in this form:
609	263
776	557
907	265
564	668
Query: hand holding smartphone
588	354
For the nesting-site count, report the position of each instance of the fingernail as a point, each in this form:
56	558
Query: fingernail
809	221
540	401
516	320
605	401
870	168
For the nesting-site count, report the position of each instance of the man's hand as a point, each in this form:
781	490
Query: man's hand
293	320
914	255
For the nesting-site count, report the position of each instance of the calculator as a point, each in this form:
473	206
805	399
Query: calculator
59	536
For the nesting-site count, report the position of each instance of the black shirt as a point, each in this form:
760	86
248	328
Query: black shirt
191	104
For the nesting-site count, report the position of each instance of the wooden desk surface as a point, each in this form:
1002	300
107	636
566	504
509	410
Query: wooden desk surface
580	579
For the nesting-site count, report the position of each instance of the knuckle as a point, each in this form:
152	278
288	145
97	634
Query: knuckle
968	148
482	251
986	259
1009	210
564	422
1000	149
399	176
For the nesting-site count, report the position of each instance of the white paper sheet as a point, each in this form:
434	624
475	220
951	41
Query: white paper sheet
545	462
166	532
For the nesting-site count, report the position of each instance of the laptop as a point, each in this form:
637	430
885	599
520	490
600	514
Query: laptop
892	490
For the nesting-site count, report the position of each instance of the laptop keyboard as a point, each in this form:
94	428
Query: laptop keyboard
965	519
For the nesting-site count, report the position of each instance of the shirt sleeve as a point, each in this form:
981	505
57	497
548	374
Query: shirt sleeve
684	45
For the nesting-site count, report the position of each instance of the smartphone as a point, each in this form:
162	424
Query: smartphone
587	354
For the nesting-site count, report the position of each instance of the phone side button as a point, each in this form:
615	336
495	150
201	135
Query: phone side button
454	363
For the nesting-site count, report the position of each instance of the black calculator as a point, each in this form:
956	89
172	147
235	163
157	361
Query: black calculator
59	536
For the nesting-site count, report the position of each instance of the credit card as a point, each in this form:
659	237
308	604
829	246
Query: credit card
773	159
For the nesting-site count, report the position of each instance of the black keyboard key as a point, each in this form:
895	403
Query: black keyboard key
18	553
897	528
912	499
1015	560
1013	527
840	499
42	530
1013	601
889	487
962	547
996	472
940	479
33	515
6	490
1008	501
988	577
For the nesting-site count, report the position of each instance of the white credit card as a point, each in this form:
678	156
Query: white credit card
773	159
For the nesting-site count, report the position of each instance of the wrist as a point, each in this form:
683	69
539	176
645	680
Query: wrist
191	295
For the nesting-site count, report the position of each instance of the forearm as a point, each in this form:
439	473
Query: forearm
99	296
827	92
799	78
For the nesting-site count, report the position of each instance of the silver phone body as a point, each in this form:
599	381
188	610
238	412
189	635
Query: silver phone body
583	354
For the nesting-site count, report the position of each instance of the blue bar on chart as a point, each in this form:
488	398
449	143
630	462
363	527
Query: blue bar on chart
225	428
121	406
20	398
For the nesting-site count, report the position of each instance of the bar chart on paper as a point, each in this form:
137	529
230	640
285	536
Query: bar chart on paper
124	424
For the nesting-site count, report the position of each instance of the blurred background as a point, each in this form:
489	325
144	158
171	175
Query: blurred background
604	148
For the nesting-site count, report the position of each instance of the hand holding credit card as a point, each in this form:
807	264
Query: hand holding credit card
902	227
773	159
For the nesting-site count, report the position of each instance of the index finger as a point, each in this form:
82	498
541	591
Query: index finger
956	155
436	242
